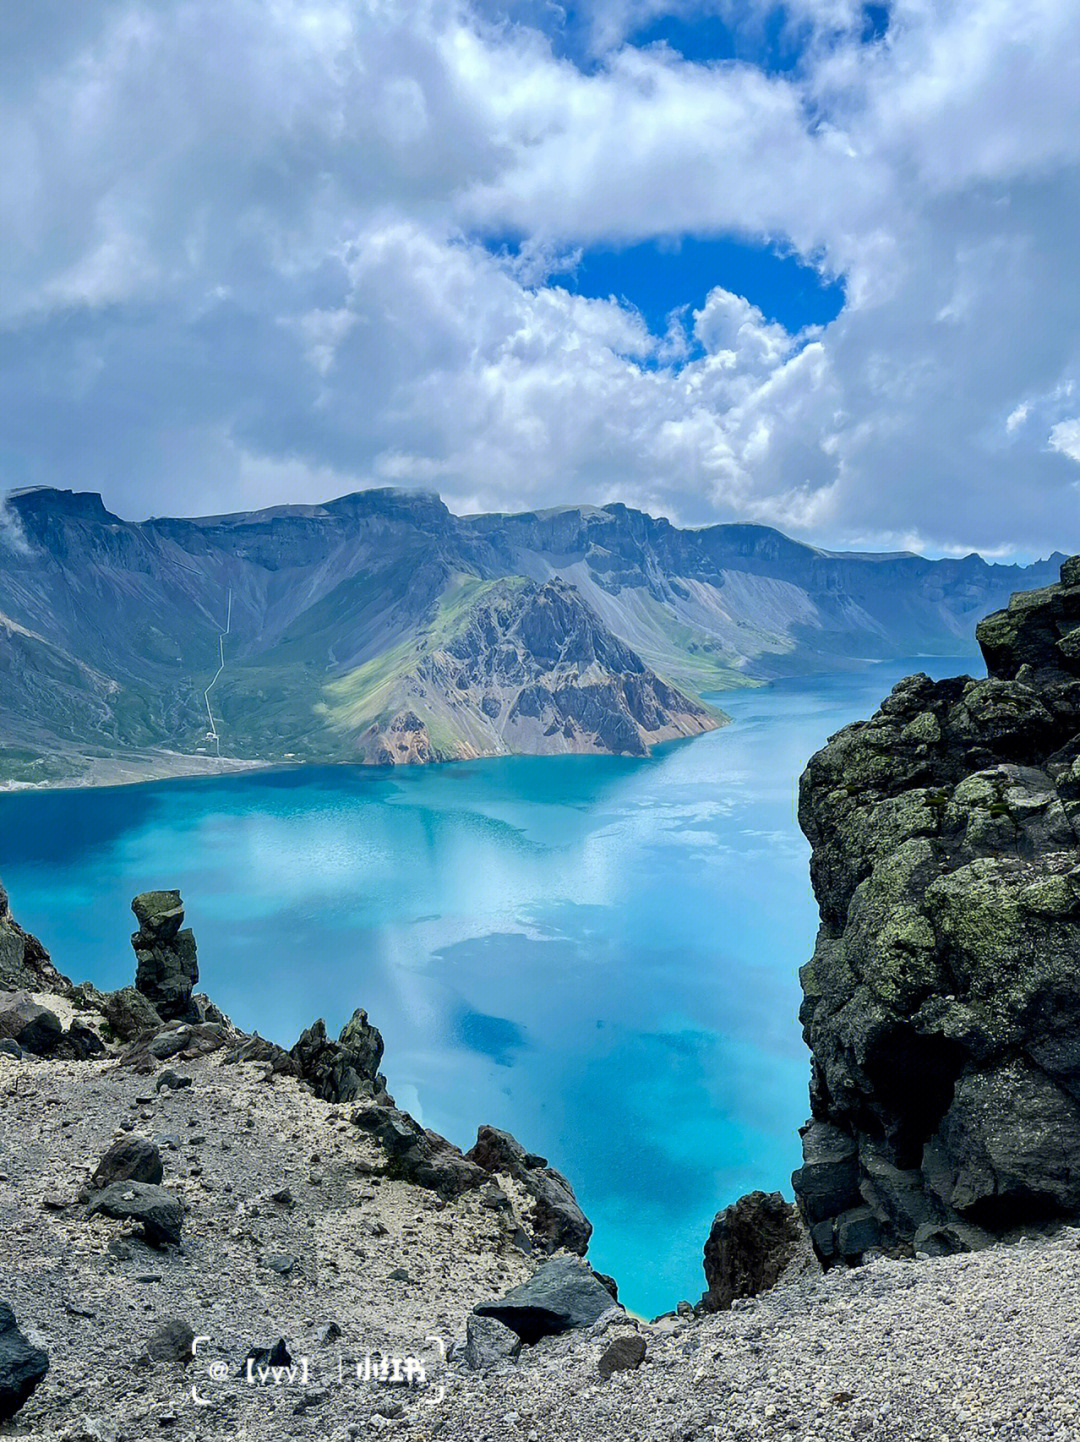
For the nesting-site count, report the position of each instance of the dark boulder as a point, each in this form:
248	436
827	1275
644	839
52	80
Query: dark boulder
750	1245
167	968
622	1355
942	1002
131	1159
158	1212
22	1365
561	1295
32	1027
79	1043
172	1342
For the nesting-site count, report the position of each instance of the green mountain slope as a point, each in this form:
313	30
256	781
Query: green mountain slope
380	627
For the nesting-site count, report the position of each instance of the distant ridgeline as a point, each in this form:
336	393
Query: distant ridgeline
381	628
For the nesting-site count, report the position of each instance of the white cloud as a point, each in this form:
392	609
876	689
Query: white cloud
1065	437
12	534
236	260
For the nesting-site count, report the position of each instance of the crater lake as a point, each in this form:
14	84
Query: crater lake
598	954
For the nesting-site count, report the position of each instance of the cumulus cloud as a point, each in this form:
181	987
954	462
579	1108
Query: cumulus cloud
1065	437
254	252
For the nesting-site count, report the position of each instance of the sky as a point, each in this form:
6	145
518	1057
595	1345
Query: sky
811	265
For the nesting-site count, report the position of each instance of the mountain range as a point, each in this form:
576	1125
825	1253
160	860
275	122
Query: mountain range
382	628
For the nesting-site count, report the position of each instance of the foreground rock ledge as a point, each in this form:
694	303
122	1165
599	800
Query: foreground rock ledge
942	1003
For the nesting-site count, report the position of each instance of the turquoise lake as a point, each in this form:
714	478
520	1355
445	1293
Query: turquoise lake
598	954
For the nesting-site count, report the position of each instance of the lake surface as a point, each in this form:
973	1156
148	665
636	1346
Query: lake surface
598	954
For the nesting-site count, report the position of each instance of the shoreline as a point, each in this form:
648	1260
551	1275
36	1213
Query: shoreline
112	772
140	768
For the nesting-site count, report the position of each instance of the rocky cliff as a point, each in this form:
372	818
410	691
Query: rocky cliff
942	1003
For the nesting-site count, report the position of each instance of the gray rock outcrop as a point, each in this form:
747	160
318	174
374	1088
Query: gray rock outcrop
167	968
129	1013
942	1003
344	1070
557	1220
24	962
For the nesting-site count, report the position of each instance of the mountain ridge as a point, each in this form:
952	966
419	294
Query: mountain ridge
111	630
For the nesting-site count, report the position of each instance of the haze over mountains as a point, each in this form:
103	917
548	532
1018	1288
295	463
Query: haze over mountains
379	627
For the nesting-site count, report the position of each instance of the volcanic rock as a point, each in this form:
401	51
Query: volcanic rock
622	1355
415	1154
749	1247
131	1159
489	1342
34	1028
167	967
561	1295
942	1003
557	1220
159	1212
345	1070
24	962
22	1366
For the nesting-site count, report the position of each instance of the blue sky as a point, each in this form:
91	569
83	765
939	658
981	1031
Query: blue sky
810	264
661	276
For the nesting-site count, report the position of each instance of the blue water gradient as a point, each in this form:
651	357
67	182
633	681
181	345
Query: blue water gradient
599	954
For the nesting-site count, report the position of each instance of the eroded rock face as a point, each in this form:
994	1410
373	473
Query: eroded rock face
750	1245
345	1070
942	1003
165	951
24	962
557	1221
417	1155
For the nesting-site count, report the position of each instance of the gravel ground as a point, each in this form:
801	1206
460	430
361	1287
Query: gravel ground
967	1347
